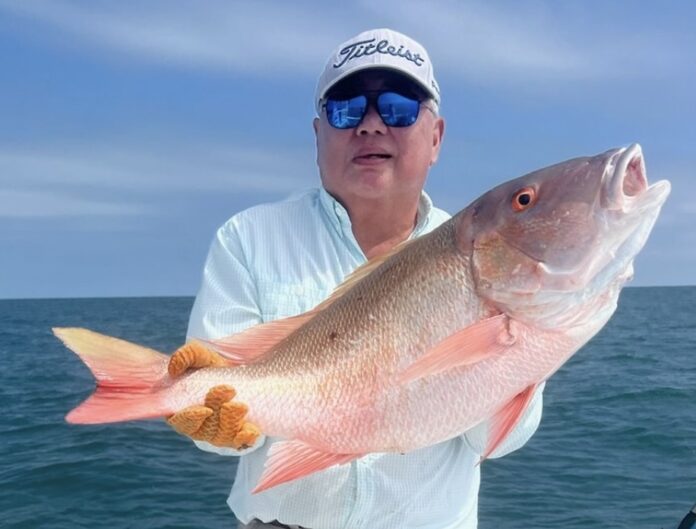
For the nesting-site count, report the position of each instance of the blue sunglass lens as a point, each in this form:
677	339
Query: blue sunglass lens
346	113
395	110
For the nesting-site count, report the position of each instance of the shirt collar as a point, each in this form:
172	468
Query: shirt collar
339	219
425	208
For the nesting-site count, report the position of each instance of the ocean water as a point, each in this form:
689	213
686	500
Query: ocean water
616	447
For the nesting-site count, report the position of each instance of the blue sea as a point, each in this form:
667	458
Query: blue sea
616	447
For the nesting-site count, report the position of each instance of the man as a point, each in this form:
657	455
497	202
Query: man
378	131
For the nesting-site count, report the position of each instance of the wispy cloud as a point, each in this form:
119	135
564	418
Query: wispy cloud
255	37
101	179
508	42
478	39
41	204
170	166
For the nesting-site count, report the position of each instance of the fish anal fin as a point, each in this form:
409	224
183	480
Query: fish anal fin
289	460
468	346
505	420
254	344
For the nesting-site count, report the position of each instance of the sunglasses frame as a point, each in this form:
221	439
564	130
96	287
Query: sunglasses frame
372	99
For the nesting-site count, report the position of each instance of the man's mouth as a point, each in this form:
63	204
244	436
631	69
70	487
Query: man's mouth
372	156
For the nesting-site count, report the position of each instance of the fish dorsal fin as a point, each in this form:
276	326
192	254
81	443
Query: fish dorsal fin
505	420
254	343
360	273
289	460
468	346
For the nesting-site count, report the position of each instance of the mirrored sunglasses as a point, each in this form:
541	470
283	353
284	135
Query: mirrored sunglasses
396	110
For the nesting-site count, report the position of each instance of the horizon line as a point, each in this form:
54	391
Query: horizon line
174	296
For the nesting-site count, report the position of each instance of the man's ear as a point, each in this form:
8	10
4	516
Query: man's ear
438	135
315	126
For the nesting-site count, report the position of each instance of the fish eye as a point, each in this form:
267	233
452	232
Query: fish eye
524	199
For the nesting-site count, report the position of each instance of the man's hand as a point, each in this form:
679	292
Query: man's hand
219	421
193	355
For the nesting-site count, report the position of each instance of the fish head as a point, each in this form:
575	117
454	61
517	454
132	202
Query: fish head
554	247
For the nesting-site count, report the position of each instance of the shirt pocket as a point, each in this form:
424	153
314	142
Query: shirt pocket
281	299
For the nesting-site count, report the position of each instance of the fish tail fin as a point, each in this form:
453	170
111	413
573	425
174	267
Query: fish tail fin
129	378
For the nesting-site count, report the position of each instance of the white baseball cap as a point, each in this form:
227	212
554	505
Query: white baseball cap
378	48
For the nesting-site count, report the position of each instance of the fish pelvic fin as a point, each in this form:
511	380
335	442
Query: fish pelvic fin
505	420
128	377
289	460
467	346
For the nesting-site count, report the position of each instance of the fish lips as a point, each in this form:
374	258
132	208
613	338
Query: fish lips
625	184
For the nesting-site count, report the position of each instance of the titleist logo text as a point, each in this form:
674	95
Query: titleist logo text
368	47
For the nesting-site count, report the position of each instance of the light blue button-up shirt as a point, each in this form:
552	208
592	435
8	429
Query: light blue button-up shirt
278	260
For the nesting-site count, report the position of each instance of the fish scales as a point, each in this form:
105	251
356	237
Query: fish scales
344	396
346	357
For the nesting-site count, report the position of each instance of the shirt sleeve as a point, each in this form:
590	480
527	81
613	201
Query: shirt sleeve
477	437
227	300
226	303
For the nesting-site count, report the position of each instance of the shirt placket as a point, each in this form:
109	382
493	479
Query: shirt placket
336	216
361	515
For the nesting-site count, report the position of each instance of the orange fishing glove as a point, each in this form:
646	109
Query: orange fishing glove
193	355
219	421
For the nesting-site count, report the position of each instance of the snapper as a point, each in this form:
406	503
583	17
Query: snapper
417	346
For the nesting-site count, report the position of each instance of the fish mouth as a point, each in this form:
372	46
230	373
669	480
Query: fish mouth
625	184
631	208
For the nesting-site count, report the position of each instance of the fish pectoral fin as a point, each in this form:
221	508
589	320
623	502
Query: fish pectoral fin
288	460
505	420
468	346
255	343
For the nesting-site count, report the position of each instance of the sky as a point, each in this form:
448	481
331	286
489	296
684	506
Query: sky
129	131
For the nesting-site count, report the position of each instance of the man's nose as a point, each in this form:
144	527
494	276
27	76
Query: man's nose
372	123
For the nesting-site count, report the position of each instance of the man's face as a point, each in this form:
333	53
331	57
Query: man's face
374	161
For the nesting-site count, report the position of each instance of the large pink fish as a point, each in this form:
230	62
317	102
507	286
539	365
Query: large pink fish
422	344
